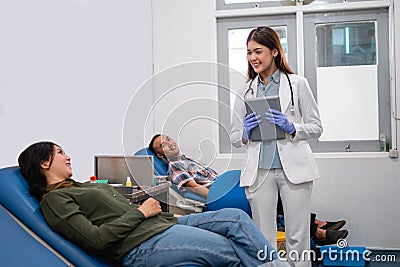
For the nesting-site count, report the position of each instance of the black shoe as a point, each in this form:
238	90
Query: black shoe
333	225
332	236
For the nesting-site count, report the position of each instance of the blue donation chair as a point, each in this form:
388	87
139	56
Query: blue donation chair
18	248
15	197
226	192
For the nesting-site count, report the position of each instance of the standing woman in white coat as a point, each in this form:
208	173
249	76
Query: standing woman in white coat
286	166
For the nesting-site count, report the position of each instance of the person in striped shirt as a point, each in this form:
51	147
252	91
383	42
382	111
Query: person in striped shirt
185	172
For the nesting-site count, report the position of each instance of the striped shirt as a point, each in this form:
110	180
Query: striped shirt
185	169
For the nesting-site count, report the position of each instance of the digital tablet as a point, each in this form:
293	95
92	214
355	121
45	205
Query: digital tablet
265	131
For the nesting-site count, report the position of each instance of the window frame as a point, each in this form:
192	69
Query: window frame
300	11
220	4
223	27
381	18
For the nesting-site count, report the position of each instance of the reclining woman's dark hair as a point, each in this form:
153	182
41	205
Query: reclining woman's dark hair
29	162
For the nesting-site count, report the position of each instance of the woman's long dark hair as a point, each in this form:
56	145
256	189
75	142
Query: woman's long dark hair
269	38
29	162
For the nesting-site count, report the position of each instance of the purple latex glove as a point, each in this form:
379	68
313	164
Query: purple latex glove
249	123
281	120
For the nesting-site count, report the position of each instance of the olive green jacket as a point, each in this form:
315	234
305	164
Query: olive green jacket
97	218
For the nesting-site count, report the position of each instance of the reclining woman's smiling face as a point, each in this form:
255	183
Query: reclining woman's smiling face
60	167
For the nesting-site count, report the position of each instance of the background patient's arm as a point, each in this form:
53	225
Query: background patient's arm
196	188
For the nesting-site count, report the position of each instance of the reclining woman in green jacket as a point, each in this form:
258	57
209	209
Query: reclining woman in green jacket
97	218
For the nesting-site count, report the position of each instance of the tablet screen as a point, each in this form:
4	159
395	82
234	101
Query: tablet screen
265	131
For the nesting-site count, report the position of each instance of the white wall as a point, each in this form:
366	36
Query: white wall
361	188
183	33
364	191
68	70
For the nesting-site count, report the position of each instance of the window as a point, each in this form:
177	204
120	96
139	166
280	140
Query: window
346	44
347	66
232	52
345	57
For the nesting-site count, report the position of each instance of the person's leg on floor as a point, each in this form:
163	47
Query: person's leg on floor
313	224
244	236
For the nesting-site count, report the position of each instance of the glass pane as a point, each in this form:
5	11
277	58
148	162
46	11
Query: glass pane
346	69
346	44
238	54
348	102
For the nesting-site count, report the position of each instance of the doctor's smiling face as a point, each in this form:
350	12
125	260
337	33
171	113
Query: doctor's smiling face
261	58
265	54
166	147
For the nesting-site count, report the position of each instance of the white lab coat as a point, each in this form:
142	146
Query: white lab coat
295	153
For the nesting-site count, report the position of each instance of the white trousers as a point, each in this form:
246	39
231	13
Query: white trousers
296	198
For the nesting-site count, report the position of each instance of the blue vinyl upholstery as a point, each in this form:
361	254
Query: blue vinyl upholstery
19	249
160	168
17	246
225	192
14	195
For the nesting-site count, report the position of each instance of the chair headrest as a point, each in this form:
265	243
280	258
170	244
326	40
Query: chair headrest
160	165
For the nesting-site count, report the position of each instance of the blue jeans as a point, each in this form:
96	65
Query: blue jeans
227	237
